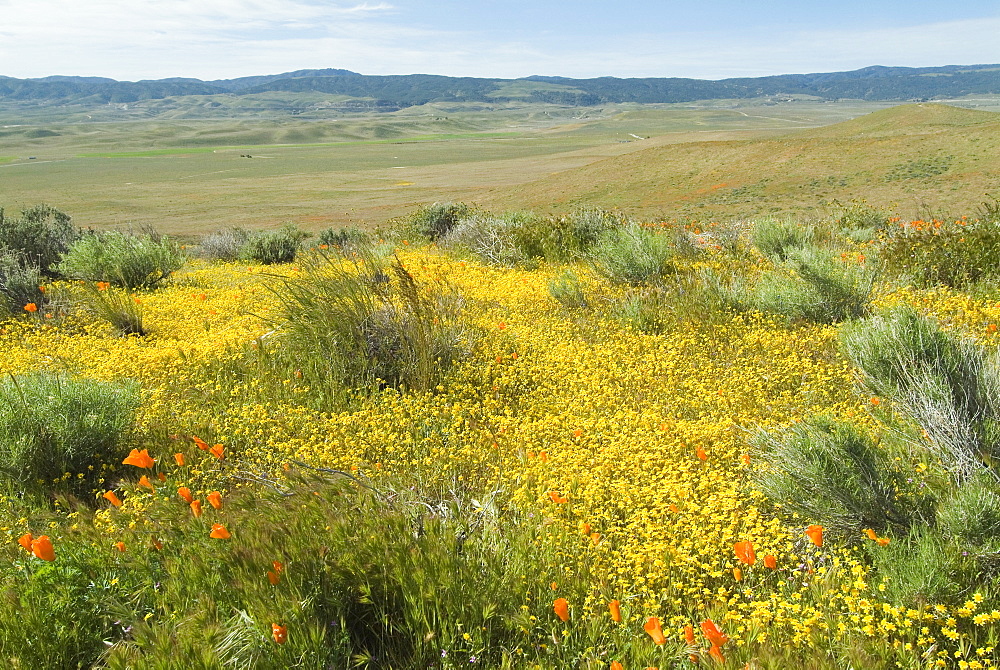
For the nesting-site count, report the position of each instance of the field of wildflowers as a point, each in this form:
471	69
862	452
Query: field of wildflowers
569	492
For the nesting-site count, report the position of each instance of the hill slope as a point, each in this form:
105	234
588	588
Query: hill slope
919	159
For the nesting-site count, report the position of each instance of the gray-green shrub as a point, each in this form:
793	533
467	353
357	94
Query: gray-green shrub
435	221
776	238
271	247
636	255
130	261
39	236
20	283
225	245
57	433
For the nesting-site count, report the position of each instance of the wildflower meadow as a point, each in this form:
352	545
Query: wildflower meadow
503	441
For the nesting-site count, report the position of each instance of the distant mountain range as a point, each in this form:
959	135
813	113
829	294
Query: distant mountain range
398	91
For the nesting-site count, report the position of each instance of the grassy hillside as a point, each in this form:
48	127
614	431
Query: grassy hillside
916	158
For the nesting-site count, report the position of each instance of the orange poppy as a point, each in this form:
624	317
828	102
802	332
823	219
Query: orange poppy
216	451
653	629
689	634
543	456
42	548
712	633
553	586
201	444
179	459
144	481
715	651
25	541
595	538
615	665
737	574
103	285
561	607
215	498
556	498
161	476
745	458
744	552
219	532
278	566
140	459
279	633
31	307
120	546
882	541
196	508
273	577
701	453
585	527
112	498
815	533
673	508
157	544
770	562
185	493
615	608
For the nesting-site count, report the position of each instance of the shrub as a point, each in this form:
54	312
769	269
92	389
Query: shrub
130	261
493	239
813	284
635	255
860	222
39	236
952	253
589	225
367	325
566	290
925	567
224	245
343	238
274	246
948	386
58	433
436	221
20	283
834	474
776	239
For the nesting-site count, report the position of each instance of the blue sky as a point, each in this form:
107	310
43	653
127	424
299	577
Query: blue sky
214	39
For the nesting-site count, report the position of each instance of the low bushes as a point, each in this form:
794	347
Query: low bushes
129	261
268	247
635	255
40	236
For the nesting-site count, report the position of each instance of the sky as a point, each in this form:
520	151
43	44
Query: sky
223	39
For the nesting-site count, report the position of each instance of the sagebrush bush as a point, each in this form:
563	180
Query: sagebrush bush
567	291
271	247
949	386
635	255
493	239
953	253
40	236
225	245
129	261
20	283
835	474
777	238
368	324
436	221
345	239
57	433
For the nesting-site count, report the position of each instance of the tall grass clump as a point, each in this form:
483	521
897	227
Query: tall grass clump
567	291
57	433
20	283
777	239
126	260
948	386
40	236
367	323
271	247
635	255
116	306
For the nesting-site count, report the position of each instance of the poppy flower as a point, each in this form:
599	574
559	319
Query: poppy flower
561	607
715	651
25	541
200	443
815	533
595	538
161	476
216	451
615	608
103	285
144	481
673	508
737	574
279	633
278	566
31	307
157	544
140	459
745	458
701	453
215	498
871	534
585	527
653	629
882	541
543	456
744	552
185	493
615	665
112	498
42	548
120	546
196	508
179	459
712	633
689	634
273	577
556	498
219	532
770	562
